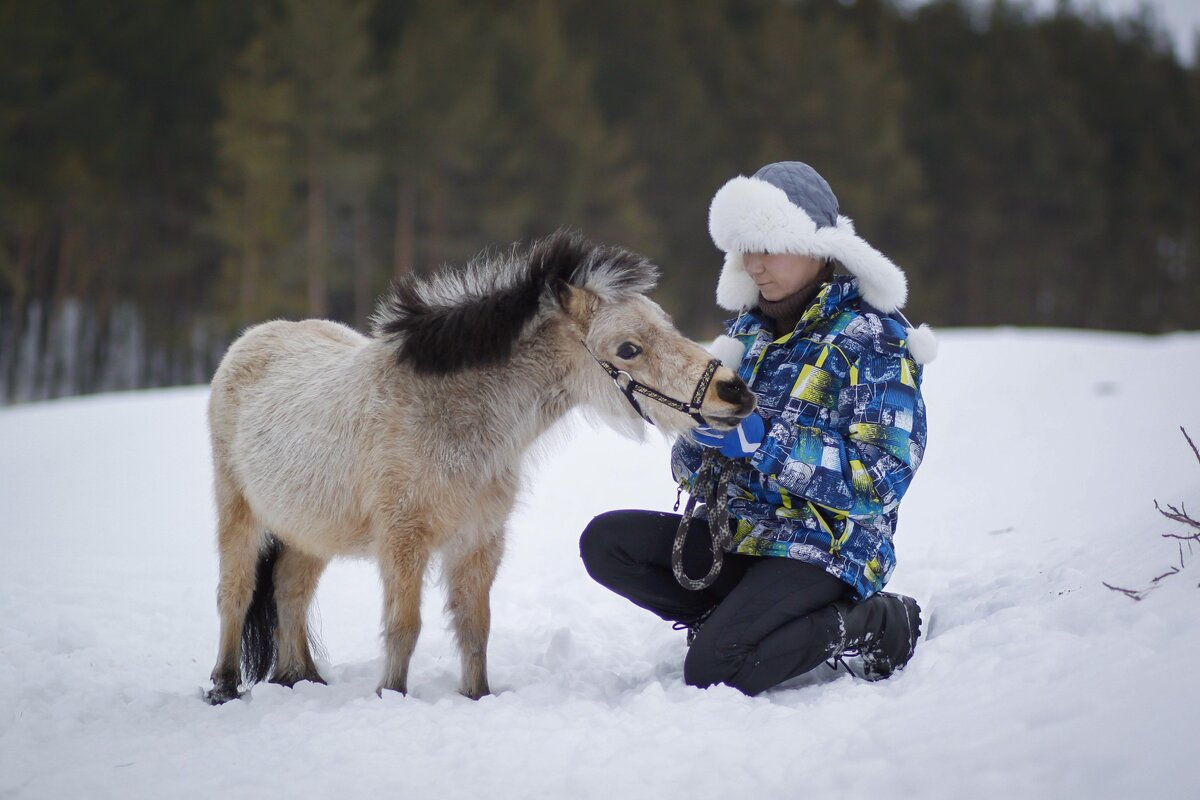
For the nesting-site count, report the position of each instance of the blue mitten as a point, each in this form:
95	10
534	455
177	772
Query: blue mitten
740	442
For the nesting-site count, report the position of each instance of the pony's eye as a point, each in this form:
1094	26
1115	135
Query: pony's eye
628	350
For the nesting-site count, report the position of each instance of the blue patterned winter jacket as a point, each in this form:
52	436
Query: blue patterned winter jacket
841	397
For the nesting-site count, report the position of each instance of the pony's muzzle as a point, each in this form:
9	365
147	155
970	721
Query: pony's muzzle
734	401
737	393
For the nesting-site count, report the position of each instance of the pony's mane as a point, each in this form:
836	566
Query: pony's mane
473	316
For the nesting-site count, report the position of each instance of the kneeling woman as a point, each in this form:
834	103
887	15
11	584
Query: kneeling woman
818	470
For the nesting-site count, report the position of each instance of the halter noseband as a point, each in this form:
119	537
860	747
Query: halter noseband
630	386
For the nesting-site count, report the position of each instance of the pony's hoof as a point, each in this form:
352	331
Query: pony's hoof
475	694
221	694
291	680
402	690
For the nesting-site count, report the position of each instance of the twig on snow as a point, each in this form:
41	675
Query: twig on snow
1189	441
1180	516
1131	593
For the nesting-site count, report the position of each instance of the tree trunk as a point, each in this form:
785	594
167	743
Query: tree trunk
34	347
248	293
316	232
61	351
363	268
11	342
403	253
437	222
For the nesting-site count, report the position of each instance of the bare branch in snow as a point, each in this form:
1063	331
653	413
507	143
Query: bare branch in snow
1132	593
1180	516
1189	441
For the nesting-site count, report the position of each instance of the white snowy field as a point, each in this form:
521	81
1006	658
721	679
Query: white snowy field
1046	452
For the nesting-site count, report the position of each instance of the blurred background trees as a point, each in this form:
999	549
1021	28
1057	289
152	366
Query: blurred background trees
172	172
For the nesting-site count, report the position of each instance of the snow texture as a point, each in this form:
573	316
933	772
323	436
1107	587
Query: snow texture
1046	452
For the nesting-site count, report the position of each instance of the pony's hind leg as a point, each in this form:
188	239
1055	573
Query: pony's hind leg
238	540
470	575
403	557
296	576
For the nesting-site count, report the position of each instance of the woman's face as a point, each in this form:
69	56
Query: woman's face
780	274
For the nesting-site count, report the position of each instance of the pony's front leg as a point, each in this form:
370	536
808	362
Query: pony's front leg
403	557
470	574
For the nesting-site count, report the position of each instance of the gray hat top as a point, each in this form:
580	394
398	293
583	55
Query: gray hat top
805	187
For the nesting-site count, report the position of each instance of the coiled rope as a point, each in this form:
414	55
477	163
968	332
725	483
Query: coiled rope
712	485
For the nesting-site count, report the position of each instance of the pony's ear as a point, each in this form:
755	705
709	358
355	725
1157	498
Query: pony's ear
577	303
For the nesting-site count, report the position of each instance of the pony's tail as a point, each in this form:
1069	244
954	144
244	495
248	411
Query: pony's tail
262	617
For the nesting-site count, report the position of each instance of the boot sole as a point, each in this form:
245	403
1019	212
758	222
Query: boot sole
912	614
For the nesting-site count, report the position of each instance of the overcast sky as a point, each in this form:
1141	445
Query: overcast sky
1181	18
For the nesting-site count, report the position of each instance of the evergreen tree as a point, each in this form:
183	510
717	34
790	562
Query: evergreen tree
678	132
443	126
578	167
824	94
171	163
324	52
253	210
1133	96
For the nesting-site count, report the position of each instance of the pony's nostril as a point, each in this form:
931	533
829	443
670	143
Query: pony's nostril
734	391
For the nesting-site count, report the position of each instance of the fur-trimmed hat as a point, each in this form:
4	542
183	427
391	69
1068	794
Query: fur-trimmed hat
787	207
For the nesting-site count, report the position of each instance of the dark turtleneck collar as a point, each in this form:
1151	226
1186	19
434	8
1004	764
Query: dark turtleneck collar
787	310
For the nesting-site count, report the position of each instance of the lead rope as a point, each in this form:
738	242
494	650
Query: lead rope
712	483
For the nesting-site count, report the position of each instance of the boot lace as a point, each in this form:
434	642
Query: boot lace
693	627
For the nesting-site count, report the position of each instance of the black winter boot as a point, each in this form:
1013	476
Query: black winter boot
882	630
693	628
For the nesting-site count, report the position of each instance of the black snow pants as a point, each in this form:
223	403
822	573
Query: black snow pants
770	619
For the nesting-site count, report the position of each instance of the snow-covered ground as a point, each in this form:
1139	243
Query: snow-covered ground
1046	452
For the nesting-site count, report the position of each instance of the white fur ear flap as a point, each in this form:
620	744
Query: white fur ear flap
728	351
735	288
922	344
881	282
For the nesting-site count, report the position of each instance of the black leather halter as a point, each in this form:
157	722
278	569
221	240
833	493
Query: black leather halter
629	387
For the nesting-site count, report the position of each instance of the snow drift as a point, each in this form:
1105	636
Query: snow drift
1046	452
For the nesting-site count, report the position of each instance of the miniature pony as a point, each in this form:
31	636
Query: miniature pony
409	442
